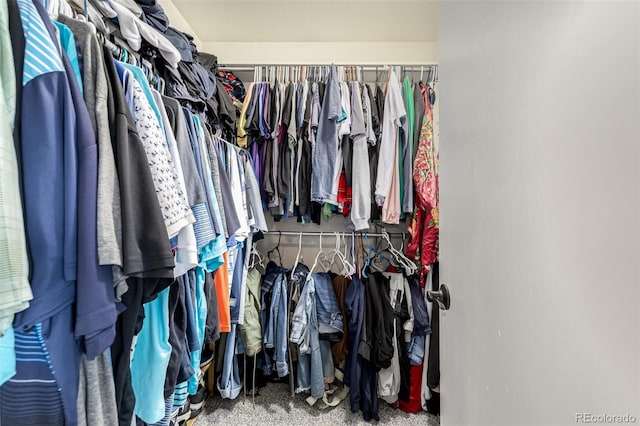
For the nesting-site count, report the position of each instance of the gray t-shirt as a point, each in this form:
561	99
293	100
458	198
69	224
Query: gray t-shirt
195	193
96	91
325	148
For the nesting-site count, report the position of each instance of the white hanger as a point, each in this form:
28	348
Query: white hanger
346	265
315	261
325	262
321	258
337	253
403	261
295	264
255	254
350	267
353	251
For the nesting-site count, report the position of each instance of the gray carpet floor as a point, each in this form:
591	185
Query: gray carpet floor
274	406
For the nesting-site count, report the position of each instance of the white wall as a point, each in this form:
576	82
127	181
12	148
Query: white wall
177	21
302	53
358	32
540	211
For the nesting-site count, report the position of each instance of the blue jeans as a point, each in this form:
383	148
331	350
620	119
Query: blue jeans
354	310
304	332
329	316
264	360
229	383
328	368
415	350
276	333
236	283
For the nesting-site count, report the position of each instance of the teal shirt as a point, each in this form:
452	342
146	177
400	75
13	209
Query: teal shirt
411	110
7	355
151	359
68	42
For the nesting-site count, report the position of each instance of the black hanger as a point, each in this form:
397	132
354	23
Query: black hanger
276	249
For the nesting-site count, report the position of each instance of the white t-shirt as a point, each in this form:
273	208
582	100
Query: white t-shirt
393	111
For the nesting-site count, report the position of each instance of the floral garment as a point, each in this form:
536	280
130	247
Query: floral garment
424	228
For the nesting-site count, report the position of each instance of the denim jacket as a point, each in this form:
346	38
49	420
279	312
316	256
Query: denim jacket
304	332
275	323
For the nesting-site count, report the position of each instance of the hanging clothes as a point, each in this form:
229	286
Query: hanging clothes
15	290
151	217
407	147
425	224
304	333
325	148
112	140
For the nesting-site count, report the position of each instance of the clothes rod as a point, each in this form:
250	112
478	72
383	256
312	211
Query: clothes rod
361	67
333	233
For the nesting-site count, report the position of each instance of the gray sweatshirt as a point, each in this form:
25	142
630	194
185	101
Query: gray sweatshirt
360	181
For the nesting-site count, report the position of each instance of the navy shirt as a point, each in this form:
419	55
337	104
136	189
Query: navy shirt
50	174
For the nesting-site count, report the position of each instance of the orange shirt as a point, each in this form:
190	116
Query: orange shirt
222	293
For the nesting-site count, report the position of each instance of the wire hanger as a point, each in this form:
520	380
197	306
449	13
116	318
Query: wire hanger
363	270
406	264
319	257
368	261
382	262
336	252
350	268
298	258
325	262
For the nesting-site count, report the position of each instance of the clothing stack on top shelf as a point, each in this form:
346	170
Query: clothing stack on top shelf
128	217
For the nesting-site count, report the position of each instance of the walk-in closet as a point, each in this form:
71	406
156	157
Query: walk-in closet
280	212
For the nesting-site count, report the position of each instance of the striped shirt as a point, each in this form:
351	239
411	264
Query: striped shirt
15	291
34	385
41	55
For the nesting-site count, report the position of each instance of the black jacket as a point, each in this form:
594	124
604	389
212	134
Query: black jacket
376	340
145	243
